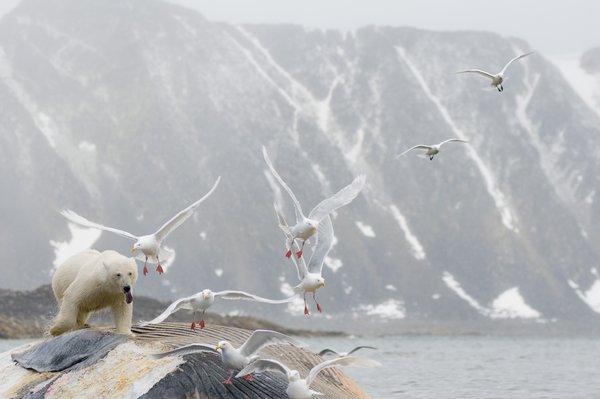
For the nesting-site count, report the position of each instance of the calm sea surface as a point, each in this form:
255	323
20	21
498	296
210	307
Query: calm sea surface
470	367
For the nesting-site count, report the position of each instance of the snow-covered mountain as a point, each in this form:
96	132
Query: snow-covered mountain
127	110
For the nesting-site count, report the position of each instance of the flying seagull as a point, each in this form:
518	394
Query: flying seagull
310	276
327	351
204	299
150	245
299	388
306	227
236	358
498	78
430	150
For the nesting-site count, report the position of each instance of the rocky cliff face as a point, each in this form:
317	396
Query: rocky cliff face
126	111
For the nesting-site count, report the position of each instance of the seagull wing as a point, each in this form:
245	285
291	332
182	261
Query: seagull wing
261	338
183	215
185	350
420	146
339	199
182	303
80	220
260	365
323	246
361	347
297	207
513	60
300	266
340	361
250	297
449	140
478	71
327	350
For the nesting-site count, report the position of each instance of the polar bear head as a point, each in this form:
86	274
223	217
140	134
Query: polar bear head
121	275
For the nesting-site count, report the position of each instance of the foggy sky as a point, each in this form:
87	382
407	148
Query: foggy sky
553	27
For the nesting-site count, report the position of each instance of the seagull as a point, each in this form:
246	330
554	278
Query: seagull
310	276
236	358
306	227
204	300
498	78
150	245
299	388
430	150
344	354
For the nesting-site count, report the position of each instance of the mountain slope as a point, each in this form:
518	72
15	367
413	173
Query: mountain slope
126	111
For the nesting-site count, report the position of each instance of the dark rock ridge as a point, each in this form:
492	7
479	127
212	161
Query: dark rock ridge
127	110
27	314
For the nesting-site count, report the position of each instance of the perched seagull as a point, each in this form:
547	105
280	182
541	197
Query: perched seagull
430	150
306	227
236	358
498	78
299	388
310	276
204	300
150	245
344	354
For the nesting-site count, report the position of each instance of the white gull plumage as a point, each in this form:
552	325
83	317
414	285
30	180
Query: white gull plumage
430	150
306	227
150	245
310	276
328	351
236	358
299	388
204	299
497	78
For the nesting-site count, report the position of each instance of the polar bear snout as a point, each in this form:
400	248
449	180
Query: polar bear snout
128	296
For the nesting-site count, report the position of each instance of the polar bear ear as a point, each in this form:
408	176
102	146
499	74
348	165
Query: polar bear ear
106	267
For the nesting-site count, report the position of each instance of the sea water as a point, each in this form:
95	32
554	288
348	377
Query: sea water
468	367
475	367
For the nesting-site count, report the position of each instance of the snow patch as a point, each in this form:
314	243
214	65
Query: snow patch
203	235
219	272
333	263
296	304
87	146
365	229
390	287
508	305
511	305
455	286
390	309
81	238
591	296
417	248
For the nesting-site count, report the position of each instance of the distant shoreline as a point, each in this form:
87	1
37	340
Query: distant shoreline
27	315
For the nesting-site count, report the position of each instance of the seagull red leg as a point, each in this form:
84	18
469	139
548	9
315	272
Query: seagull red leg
305	307
145	266
202	325
318	306
299	253
228	381
249	378
159	268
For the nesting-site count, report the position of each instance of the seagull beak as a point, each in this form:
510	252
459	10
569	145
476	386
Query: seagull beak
133	250
217	347
323	284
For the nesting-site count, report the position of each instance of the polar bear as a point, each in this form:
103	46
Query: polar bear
90	281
